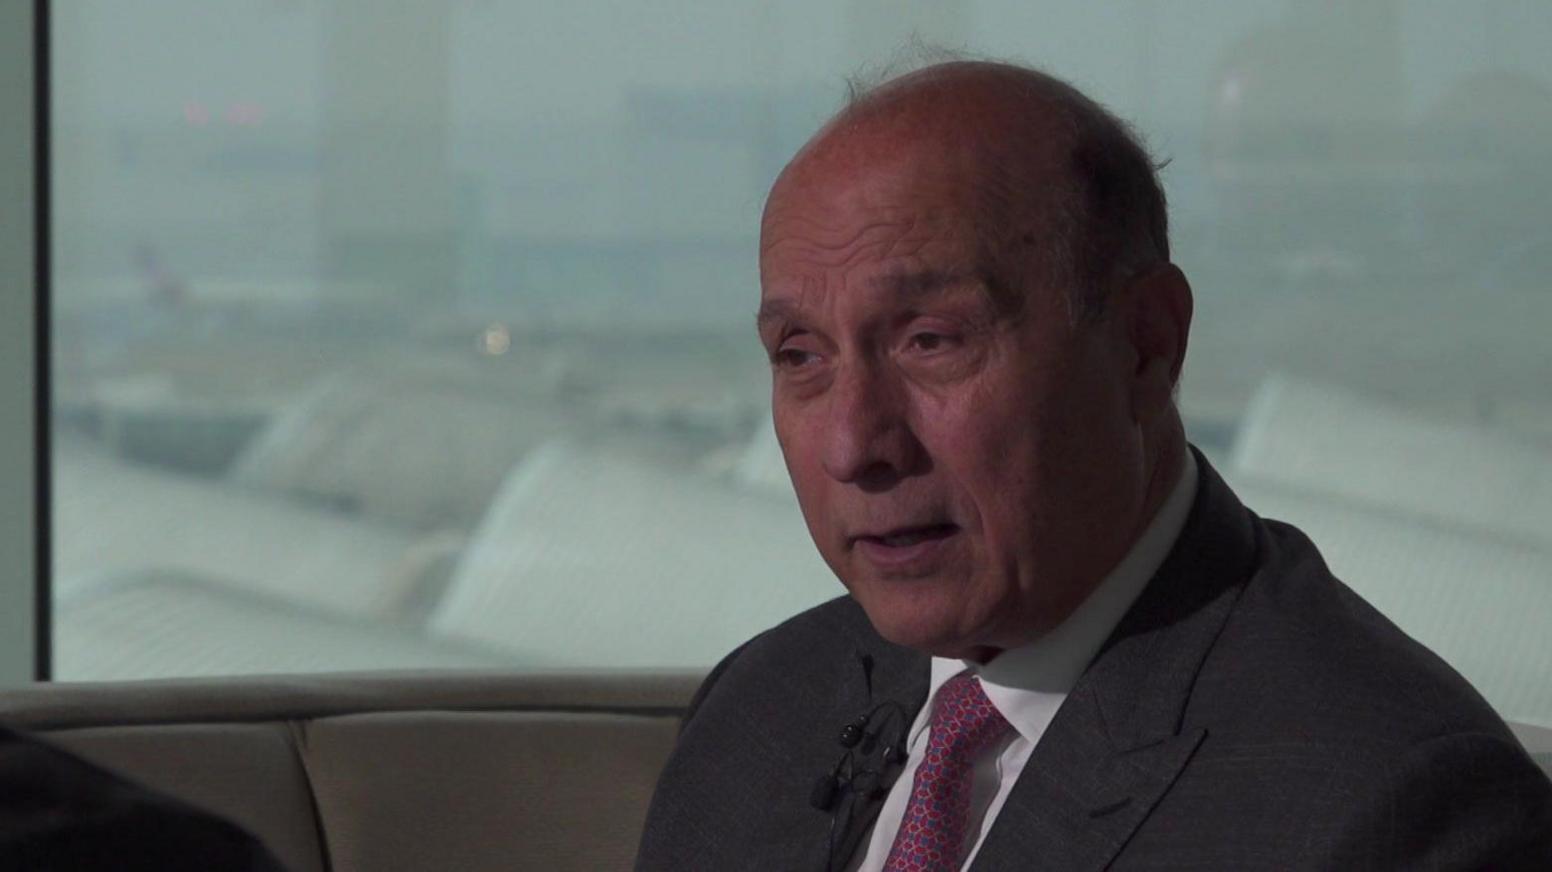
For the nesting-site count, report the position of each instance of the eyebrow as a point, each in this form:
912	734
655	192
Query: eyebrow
908	287
774	311
911	286
916	287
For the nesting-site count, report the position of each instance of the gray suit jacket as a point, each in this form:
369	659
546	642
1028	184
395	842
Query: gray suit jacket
1249	712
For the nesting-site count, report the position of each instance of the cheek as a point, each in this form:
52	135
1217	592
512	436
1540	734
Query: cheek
1002	444
795	435
801	452
983	446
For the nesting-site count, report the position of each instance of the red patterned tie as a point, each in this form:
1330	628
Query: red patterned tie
932	834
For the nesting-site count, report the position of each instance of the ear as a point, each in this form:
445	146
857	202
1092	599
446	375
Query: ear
1156	313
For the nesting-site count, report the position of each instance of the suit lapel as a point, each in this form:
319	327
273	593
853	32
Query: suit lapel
899	677
1079	798
1117	744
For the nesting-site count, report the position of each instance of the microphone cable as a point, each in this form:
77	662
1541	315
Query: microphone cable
855	775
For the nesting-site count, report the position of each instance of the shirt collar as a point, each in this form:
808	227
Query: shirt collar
1027	684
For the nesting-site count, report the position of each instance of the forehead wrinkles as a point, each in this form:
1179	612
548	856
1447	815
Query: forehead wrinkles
909	209
957	203
895	233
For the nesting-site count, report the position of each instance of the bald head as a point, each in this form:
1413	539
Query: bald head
1064	195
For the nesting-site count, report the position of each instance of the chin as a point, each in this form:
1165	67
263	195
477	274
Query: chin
915	622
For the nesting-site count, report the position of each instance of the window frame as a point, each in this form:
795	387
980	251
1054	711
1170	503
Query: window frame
25	531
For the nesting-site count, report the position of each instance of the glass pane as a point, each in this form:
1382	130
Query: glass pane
411	333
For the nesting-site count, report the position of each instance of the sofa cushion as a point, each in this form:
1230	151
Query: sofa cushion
416	770
246	773
484	791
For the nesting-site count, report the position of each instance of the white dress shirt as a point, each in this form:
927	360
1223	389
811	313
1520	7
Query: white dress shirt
1028	684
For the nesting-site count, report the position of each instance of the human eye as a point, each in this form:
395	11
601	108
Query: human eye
792	358
939	349
795	352
931	340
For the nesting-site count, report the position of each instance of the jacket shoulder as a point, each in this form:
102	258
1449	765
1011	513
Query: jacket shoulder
1304	657
1334	740
762	728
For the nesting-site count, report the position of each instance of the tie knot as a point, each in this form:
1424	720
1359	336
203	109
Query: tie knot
964	720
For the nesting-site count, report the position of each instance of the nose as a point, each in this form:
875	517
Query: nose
869	441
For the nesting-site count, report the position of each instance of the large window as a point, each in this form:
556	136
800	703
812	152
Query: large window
412	333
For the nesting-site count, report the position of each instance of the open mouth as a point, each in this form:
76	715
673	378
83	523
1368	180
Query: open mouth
905	537
907	551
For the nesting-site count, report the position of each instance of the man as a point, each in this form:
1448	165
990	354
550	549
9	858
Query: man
1066	644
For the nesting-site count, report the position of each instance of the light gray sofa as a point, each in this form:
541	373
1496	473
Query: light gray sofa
464	771
396	771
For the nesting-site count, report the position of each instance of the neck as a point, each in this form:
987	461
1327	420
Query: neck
982	654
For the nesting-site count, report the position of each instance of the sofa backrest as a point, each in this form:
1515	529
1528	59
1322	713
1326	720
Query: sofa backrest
409	771
401	771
